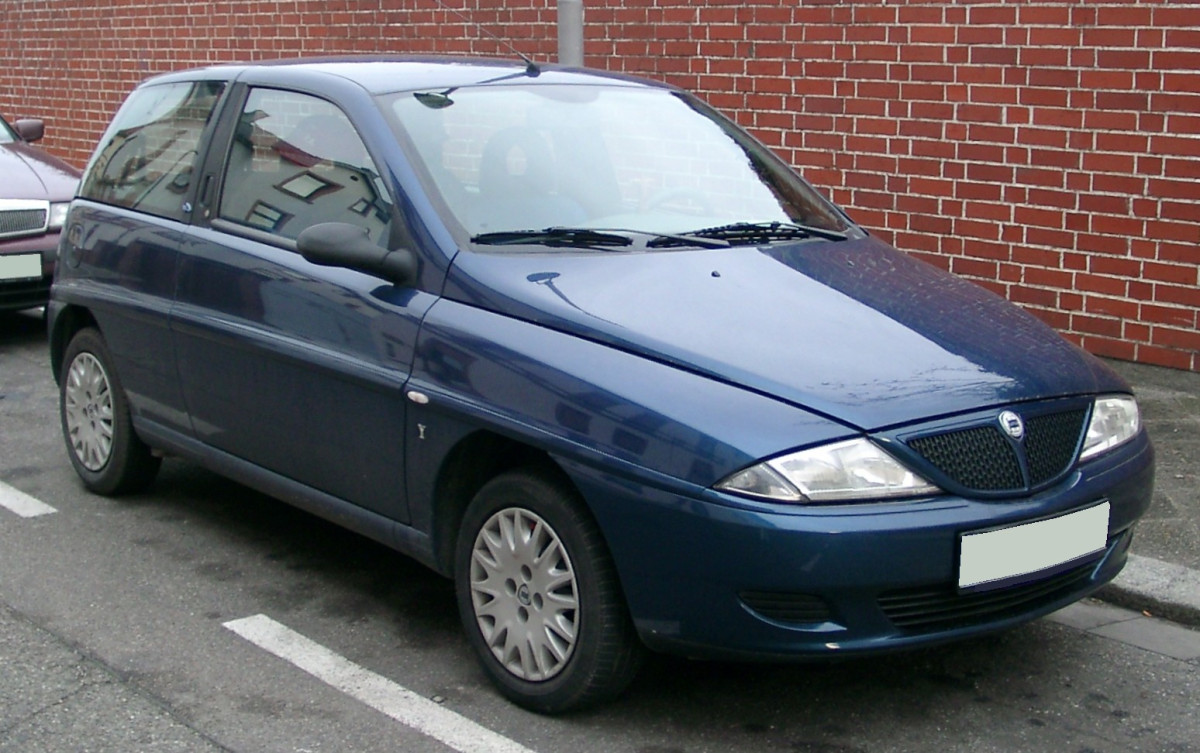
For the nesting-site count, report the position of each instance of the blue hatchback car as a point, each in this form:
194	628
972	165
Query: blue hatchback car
580	343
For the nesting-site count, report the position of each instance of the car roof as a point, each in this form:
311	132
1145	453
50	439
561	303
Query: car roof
387	74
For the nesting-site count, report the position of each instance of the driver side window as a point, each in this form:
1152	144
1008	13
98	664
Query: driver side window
297	161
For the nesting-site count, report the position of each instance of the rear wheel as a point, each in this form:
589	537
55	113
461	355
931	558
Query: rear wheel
101	443
539	596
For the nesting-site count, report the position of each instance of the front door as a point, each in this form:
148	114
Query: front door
296	368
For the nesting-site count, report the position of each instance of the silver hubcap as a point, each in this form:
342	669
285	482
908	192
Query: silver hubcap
524	593
88	407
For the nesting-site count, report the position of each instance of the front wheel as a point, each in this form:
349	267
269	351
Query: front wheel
101	443
539	596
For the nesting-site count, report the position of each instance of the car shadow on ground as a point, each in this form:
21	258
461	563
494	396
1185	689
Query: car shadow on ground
343	576
373	602
329	568
21	327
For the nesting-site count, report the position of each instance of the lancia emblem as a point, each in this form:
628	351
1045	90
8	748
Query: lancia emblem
1012	424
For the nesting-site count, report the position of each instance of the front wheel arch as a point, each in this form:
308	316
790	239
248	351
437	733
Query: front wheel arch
528	543
471	463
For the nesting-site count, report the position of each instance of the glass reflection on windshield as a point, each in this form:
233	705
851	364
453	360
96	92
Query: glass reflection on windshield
529	157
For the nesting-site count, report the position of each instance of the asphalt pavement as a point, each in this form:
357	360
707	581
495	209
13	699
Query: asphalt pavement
57	694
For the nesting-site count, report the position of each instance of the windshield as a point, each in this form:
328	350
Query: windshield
507	159
6	134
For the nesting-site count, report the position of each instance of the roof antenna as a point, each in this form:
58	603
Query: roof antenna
531	68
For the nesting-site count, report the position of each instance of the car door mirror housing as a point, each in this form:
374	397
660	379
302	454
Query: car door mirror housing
30	129
340	244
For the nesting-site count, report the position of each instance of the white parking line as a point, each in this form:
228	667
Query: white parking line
21	503
376	691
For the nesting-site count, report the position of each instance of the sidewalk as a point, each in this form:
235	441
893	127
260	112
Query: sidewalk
1163	574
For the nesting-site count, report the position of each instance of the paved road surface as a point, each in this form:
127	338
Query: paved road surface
138	625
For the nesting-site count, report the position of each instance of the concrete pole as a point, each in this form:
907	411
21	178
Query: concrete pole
570	32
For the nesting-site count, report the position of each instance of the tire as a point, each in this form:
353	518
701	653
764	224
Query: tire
539	597
101	443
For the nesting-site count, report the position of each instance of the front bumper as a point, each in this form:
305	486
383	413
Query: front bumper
30	292
713	576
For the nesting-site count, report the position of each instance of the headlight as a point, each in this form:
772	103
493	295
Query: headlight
58	214
855	469
1115	421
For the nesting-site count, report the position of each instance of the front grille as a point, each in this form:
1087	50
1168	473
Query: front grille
1051	444
979	458
928	610
787	607
22	221
983	459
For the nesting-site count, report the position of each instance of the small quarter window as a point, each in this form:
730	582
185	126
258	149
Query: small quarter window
149	152
297	161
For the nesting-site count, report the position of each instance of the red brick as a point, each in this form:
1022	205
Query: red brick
993	56
1184	60
1183	125
1187	252
986	270
1183	190
1103	223
1033	176
1116	307
1183	295
1095	325
1044	75
1173	359
992	16
1181	82
1050	278
1181	274
1115	266
1138	333
1122	100
1033	296
1050	237
1109	37
1109	348
1127	142
1171	315
1092	283
1125	59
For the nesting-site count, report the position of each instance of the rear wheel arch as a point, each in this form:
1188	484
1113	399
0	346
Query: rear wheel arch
97	426
67	324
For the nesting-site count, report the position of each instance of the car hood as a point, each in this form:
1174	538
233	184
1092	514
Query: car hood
854	330
30	173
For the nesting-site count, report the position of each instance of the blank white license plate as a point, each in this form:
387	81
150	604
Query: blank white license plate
993	558
21	267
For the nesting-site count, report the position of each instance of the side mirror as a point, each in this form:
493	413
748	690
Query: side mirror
30	129
340	244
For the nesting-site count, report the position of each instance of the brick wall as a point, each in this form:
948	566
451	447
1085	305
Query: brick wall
1047	150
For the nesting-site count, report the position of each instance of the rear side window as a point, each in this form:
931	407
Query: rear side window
296	161
148	156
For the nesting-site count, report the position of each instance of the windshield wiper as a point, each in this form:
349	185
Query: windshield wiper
673	240
764	232
569	237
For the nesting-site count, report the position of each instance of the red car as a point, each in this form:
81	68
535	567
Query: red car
34	195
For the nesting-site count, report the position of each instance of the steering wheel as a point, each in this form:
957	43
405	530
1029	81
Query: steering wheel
682	199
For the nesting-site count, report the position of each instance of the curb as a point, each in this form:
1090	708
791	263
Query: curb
1159	588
